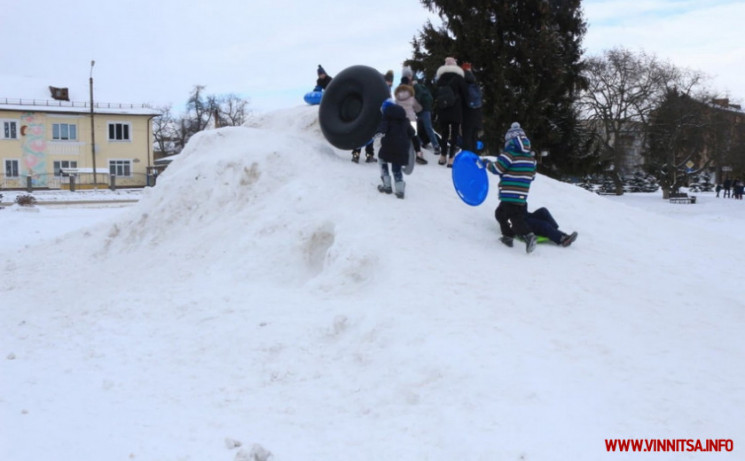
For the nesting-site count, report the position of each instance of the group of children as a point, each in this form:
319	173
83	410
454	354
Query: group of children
516	167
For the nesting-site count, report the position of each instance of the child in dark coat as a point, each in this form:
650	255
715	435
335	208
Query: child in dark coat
323	79
394	146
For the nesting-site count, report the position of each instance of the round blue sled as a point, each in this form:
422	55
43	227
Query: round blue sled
313	98
470	178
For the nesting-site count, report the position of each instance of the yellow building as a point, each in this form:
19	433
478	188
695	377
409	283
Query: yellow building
47	143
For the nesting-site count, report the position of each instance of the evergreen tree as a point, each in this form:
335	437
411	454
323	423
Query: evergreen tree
527	57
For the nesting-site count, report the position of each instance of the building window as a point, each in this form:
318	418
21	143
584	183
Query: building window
60	165
119	132
120	167
64	132
11	168
10	129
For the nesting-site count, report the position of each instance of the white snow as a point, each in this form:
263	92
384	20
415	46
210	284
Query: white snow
265	302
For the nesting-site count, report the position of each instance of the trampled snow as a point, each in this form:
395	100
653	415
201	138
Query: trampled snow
265	301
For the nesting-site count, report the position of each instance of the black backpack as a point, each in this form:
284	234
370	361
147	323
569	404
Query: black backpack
445	97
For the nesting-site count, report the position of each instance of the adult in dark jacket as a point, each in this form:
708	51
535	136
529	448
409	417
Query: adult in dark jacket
472	117
394	146
450	118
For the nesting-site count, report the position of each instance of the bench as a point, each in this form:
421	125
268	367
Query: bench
682	198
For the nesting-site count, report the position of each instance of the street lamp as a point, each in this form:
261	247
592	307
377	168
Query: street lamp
93	131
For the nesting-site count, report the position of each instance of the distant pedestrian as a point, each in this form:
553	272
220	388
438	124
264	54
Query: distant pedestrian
738	188
727	187
718	189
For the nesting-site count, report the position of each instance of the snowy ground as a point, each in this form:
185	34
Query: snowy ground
265	298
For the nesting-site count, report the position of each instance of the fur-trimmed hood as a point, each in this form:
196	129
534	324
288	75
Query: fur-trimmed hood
404	88
448	69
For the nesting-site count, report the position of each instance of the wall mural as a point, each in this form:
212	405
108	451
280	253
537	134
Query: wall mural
34	149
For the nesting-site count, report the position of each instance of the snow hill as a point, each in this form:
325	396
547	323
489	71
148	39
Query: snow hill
265	302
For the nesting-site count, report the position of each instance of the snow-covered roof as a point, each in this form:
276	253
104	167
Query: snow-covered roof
75	107
26	93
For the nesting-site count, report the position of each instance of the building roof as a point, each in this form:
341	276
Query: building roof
32	94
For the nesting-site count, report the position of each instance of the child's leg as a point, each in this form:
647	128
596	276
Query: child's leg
386	178
398	176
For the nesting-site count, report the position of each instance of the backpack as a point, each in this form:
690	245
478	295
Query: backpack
445	97
474	96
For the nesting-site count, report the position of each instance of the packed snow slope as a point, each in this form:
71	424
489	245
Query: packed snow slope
264	301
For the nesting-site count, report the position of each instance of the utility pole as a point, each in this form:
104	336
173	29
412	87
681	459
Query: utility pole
93	131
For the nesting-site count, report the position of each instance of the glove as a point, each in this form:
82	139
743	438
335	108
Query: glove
485	162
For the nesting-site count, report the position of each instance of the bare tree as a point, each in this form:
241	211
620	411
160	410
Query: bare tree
165	131
231	110
623	89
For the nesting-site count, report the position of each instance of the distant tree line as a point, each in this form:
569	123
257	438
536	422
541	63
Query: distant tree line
171	133
587	113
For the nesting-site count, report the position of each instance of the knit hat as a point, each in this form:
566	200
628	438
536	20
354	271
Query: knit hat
513	132
405	80
386	103
450	61
407	72
388	76
321	71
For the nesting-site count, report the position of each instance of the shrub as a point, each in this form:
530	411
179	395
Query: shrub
26	200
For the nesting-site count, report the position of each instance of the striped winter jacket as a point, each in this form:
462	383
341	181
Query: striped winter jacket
516	168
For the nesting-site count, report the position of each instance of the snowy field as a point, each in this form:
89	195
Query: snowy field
265	302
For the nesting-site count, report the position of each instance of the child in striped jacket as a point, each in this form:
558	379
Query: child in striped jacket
516	167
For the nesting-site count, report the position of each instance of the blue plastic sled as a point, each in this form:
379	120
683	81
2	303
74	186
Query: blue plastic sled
313	98
470	178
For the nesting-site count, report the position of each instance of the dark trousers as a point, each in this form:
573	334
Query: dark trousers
449	132
511	219
542	223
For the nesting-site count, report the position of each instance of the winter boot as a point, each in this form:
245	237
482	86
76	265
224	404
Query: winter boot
400	188
530	241
356	156
420	159
506	240
567	240
370	158
386	186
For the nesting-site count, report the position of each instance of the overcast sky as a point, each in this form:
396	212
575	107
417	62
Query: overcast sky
268	51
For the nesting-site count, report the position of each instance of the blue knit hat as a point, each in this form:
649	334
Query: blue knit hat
513	132
388	102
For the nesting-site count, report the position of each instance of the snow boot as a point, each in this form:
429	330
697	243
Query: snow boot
386	186
530	241
400	188
356	156
506	240
370	159
567	240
